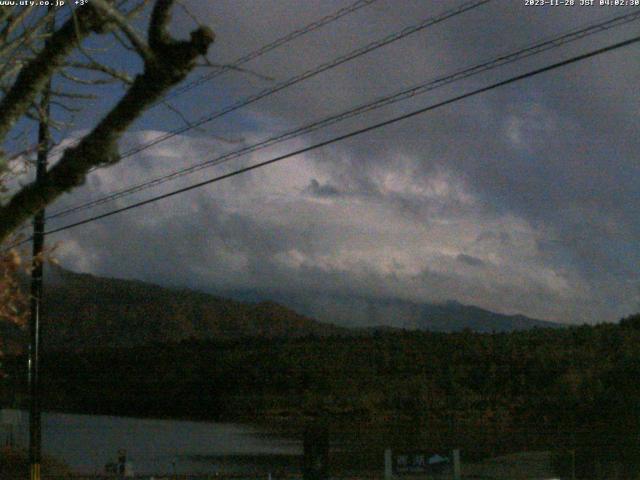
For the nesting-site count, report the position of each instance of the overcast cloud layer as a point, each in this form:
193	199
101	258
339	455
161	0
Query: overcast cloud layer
521	200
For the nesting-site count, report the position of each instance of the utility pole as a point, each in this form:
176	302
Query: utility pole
44	140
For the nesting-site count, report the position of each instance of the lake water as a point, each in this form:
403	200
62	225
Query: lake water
87	442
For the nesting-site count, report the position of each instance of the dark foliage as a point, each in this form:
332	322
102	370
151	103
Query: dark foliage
569	390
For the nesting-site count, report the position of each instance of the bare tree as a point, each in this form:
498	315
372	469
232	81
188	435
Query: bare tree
167	61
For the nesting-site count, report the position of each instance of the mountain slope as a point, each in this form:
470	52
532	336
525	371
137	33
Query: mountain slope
395	313
84	311
454	316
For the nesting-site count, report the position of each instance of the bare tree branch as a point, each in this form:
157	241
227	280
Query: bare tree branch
124	25
14	21
169	63
73	95
65	107
5	14
33	77
102	68
8	48
122	41
84	81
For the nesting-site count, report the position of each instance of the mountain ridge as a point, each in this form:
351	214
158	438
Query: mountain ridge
84	311
365	312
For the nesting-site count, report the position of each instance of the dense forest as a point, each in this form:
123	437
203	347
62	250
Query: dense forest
574	391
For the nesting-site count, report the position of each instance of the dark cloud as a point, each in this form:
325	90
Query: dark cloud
521	200
469	260
318	190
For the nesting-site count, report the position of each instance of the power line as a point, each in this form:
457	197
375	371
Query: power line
393	37
354	133
405	32
235	64
310	73
467	6
271	46
425	87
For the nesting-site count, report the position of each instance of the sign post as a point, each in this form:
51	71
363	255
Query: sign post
388	465
456	464
316	453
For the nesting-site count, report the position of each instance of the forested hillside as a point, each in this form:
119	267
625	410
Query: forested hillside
489	393
83	311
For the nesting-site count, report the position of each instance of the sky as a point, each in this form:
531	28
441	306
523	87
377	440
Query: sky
519	200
